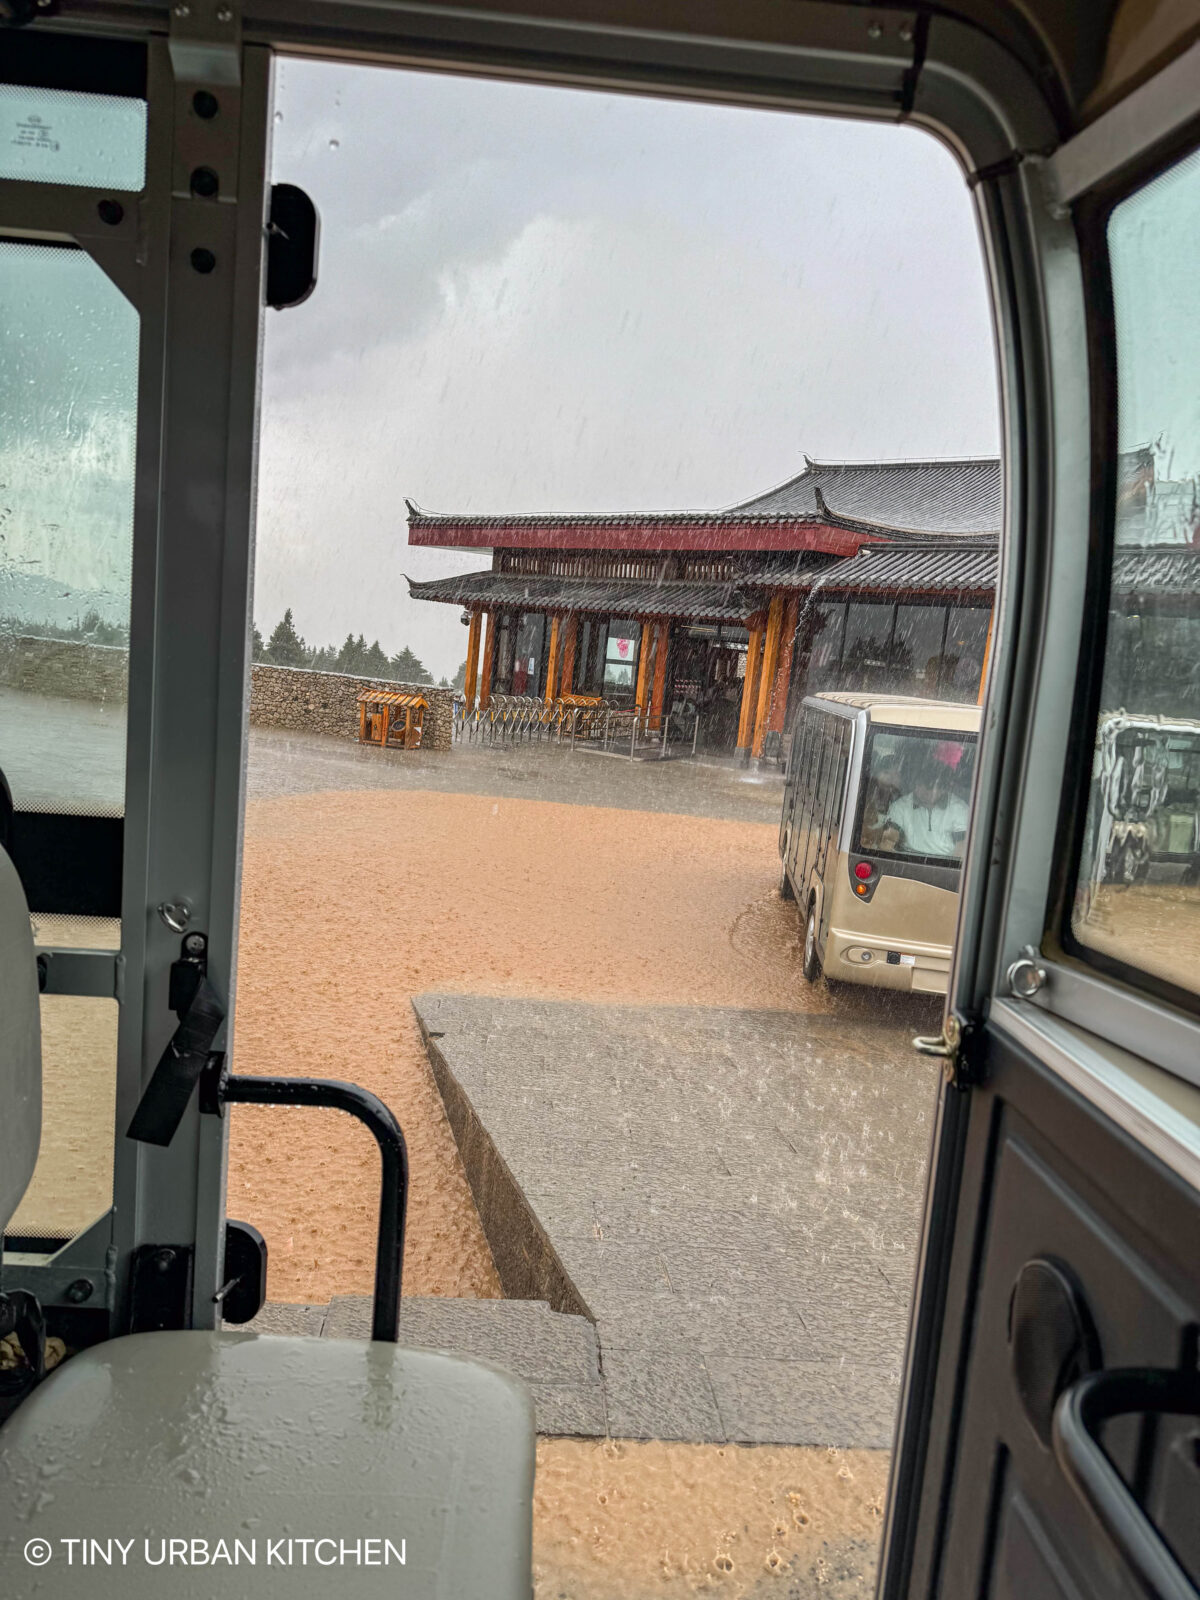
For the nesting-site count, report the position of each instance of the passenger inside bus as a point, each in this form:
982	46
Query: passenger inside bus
929	817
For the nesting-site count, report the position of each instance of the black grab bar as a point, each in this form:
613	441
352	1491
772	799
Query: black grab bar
393	1155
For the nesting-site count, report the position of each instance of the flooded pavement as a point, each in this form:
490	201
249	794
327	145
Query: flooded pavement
645	895
301	763
731	1196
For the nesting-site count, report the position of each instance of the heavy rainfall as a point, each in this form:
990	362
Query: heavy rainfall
628	550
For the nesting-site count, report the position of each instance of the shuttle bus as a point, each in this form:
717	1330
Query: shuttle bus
875	814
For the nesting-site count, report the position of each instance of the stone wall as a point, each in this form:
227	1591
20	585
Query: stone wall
327	702
66	668
280	697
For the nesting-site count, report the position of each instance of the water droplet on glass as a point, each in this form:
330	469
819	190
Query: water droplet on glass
335	144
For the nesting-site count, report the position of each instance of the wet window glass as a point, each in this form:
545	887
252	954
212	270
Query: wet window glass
1137	897
68	407
917	795
56	136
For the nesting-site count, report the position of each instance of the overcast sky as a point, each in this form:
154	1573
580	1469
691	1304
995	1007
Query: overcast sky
540	299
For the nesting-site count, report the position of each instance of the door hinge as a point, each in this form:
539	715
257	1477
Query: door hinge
952	1047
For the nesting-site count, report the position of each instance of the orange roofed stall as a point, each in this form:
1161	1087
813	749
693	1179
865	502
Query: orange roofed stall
391	718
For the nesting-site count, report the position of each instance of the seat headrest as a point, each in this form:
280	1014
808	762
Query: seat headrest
20	1044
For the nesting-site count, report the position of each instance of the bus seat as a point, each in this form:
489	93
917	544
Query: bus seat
408	1460
20	1046
271	1441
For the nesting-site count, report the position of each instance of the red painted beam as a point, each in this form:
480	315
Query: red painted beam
488	533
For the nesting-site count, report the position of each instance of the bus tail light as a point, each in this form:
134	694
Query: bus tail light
863	870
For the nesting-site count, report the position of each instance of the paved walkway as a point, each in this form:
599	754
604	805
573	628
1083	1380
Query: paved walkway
299	763
70	754
732	1197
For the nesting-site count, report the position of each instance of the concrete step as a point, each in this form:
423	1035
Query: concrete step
556	1355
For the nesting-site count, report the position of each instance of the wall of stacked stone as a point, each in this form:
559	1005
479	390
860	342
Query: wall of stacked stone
65	668
327	702
280	697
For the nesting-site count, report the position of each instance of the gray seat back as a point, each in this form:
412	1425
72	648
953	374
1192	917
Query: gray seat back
20	1045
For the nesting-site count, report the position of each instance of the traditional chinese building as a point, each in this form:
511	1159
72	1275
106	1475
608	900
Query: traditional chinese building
865	575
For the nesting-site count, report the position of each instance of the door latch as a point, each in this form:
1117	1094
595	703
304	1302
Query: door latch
949	1047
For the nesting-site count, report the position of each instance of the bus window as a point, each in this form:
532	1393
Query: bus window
917	796
808	809
1137	903
832	795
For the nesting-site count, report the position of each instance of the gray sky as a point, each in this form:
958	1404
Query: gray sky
540	299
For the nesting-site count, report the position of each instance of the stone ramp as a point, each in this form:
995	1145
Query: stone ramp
557	1356
733	1197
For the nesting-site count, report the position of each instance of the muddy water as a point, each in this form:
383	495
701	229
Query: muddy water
618	1520
352	902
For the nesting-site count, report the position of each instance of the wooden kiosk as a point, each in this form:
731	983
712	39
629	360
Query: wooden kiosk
391	718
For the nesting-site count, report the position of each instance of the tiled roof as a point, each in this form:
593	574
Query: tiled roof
891	499
942	568
916	569
881	569
962	497
697	602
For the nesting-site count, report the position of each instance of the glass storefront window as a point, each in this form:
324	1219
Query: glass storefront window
966	645
825	654
620	657
865	654
916	652
527	653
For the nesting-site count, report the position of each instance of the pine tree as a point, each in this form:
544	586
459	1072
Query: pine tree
374	664
460	677
406	668
349	656
257	648
285	647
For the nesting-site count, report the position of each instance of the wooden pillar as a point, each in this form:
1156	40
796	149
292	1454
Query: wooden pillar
750	688
566	676
766	681
987	654
639	697
489	650
552	661
783	672
661	647
472	671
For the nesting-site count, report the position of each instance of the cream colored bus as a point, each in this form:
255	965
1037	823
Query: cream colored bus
875	813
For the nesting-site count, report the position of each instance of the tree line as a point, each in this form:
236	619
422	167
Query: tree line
355	657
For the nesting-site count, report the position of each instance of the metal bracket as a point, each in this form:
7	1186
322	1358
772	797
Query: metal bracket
161	1288
206	42
99	973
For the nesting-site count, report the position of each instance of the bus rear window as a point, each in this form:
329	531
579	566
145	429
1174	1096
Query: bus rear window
916	795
